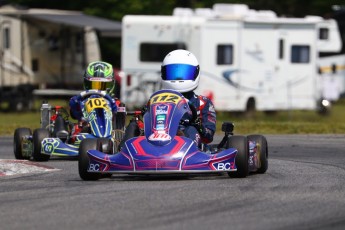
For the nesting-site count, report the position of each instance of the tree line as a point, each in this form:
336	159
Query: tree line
116	9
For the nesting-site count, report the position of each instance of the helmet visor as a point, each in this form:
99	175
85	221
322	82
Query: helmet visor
179	72
98	85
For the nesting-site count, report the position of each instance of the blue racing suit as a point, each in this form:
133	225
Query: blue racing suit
77	102
204	131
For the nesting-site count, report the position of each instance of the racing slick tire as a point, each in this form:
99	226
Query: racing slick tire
37	138
83	159
17	142
105	145
132	130
263	153
242	145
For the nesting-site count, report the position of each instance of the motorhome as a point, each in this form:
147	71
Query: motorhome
249	60
43	49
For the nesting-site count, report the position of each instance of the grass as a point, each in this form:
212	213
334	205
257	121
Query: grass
291	122
286	122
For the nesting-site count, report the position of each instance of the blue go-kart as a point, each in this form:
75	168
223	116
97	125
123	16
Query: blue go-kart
161	151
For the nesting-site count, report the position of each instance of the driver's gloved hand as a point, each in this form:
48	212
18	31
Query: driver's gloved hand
199	127
185	122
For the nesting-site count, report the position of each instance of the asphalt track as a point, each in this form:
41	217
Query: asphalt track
304	188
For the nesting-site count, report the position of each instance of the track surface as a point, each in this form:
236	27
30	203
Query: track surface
304	188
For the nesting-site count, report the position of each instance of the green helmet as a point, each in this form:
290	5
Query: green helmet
99	75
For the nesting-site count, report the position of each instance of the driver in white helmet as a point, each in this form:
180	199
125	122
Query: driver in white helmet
180	71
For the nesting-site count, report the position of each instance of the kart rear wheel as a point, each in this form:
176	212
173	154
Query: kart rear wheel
38	136
18	142
263	152
105	145
132	130
241	144
83	160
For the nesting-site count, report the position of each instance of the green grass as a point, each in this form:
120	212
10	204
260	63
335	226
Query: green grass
290	122
287	122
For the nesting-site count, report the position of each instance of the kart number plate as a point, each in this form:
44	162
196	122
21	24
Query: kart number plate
96	103
166	97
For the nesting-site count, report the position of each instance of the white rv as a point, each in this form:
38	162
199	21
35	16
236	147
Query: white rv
248	59
42	49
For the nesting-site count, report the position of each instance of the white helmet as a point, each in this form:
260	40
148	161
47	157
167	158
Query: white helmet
180	71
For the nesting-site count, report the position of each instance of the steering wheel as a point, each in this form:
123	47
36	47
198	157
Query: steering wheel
93	92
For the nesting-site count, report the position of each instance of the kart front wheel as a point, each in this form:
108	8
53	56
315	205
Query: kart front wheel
38	136
83	160
105	145
261	143
19	134
241	161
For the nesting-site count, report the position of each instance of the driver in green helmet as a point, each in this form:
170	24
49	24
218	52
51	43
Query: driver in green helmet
98	75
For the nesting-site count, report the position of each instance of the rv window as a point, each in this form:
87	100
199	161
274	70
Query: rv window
155	52
323	33
7	38
300	54
225	54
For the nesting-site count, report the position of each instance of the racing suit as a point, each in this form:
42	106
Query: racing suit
204	131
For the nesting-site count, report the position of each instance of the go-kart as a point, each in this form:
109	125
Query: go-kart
55	136
161	151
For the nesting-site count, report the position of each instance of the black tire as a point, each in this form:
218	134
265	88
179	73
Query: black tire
83	160
17	142
263	154
105	145
241	144
38	136
59	125
132	130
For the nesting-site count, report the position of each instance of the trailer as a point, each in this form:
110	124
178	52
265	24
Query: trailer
249	60
44	49
332	64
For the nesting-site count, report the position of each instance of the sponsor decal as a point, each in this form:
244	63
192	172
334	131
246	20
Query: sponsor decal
160	117
160	121
162	109
166	97
160	126
211	109
48	148
223	166
121	109
156	136
94	167
250	160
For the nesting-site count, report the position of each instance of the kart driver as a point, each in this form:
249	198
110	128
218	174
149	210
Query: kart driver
180	71
98	76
